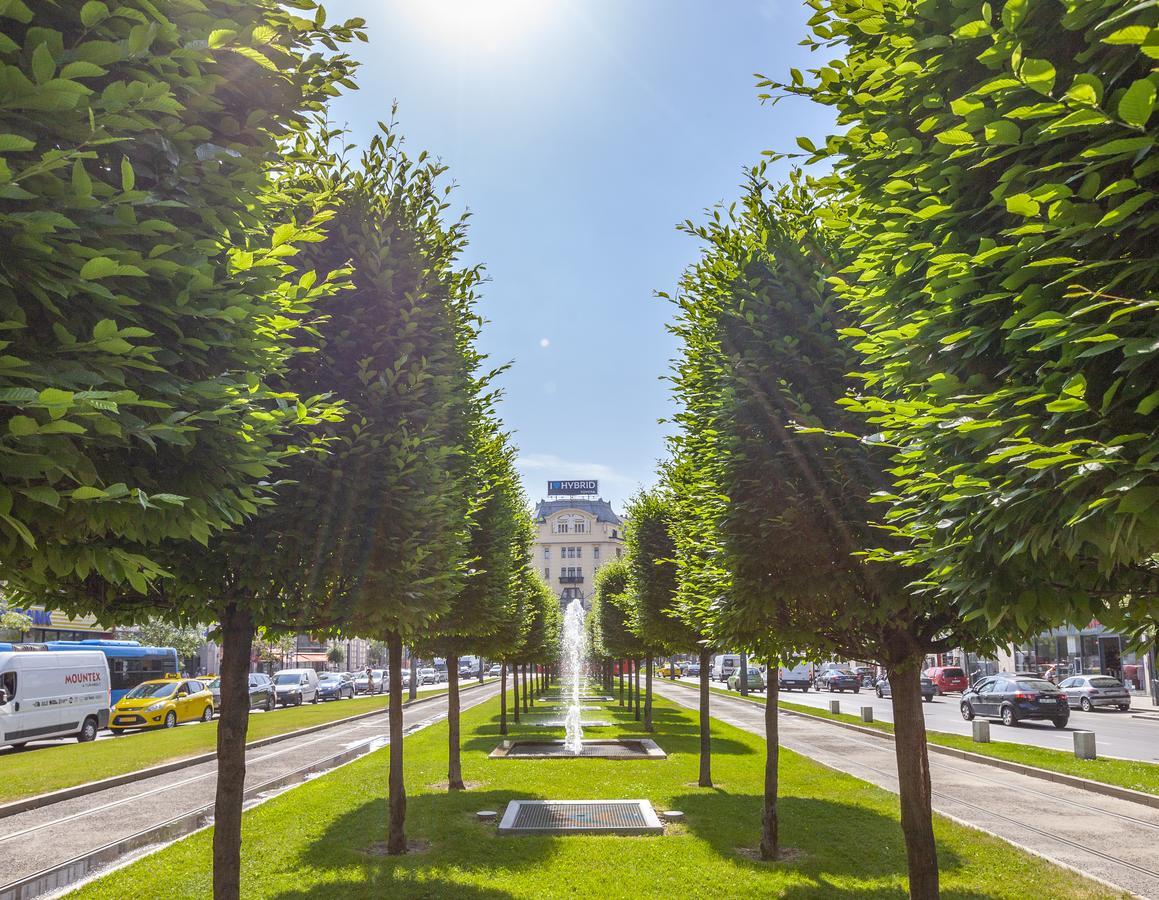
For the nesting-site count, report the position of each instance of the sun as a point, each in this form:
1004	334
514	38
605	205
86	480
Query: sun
482	24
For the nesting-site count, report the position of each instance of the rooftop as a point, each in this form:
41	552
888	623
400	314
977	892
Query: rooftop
601	509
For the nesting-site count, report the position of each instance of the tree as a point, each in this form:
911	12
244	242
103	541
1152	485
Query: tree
376	653
185	639
794	490
651	562
999	167
336	655
499	550
142	293
14	620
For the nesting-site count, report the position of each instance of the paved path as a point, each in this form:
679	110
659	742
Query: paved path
41	838
1113	840
1121	734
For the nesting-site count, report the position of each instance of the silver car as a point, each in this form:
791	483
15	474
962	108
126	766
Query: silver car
1089	691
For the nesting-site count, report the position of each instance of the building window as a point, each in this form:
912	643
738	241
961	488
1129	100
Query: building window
580	526
561	526
579	552
546	574
547	553
613	533
595	552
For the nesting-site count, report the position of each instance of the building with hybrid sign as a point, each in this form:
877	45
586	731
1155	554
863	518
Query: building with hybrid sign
578	532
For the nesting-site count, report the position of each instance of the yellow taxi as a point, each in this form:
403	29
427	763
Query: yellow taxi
162	703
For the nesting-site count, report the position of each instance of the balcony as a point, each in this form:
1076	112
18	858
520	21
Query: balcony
571	579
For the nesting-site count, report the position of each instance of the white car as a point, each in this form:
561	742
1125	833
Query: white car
377	677
428	676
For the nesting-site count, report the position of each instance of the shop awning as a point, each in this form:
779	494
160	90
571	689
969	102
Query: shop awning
310	657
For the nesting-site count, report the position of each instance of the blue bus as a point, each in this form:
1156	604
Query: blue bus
129	662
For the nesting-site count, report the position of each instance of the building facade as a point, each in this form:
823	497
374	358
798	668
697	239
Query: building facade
575	537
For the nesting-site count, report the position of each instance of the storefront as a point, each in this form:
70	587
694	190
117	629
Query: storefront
52	625
1092	650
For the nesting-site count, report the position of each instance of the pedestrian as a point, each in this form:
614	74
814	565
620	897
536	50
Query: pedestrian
369	680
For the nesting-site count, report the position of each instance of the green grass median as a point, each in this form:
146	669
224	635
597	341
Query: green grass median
1137	776
319	840
38	770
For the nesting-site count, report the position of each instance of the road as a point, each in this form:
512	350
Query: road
1103	837
1117	733
52	835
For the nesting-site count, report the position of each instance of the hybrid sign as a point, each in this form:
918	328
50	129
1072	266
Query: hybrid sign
572	488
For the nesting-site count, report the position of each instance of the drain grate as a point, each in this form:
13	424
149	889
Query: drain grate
603	749
579	816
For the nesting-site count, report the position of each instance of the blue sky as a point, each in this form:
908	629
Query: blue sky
581	132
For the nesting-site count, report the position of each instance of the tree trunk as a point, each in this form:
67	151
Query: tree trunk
769	846
742	680
413	688
515	692
396	830
454	761
237	637
648	693
503	698
913	775
623	666
672	668
636	679
705	734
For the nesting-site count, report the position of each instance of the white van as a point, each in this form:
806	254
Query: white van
46	694
798	677
724	666
296	686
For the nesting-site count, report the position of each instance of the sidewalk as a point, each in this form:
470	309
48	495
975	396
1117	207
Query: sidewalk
1102	837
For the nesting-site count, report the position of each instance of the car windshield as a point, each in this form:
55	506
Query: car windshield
287	678
1036	684
216	682
154	689
1105	682
330	678
840	673
953	673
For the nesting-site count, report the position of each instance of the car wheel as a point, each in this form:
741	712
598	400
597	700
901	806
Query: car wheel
207	714
1085	703
967	711
928	698
857	690
879	695
21	745
171	720
1009	716
1124	706
271	704
88	731
298	702
1061	722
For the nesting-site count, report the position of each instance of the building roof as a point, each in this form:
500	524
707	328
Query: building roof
601	509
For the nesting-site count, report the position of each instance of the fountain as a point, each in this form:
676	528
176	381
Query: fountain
573	656
572	694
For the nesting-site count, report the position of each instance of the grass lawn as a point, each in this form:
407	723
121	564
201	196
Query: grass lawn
311	842
1138	776
38	770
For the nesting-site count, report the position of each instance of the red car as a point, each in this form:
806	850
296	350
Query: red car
948	678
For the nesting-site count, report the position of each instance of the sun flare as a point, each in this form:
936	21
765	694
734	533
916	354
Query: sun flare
485	24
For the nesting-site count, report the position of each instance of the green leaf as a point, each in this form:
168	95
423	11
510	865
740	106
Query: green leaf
82	185
1136	104
43	65
1022	205
93	13
1132	34
62	426
14	143
955	137
56	397
1038	74
805	144
221	37
1067	404
1002	131
1076	386
98	267
1148	404
104	329
128	176
21	529
42	494
23	426
87	493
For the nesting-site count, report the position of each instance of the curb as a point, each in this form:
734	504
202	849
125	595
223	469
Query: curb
1086	784
80	790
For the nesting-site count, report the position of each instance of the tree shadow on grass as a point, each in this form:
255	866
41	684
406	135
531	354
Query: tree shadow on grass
448	833
669	739
833	839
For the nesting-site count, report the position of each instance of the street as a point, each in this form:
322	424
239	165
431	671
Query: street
1117	733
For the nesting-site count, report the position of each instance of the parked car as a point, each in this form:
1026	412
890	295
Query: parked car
332	686
928	690
1089	691
724	665
261	688
795	678
440	673
162	703
377	680
692	670
755	680
53	694
948	679
428	676
296	686
669	670
838	680
496	670
865	675
1014	699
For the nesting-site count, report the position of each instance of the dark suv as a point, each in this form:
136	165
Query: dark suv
262	694
1014	699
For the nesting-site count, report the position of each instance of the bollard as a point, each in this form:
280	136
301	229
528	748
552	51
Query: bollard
1084	744
981	731
867	714
834	706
